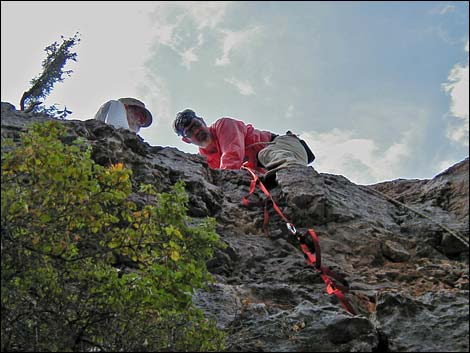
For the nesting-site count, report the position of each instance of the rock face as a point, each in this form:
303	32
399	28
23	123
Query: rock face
408	277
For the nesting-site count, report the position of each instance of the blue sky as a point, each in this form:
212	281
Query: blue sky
378	89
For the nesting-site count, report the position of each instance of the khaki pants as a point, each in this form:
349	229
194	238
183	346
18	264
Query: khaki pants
283	152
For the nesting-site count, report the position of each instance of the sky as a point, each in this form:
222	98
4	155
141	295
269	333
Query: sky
379	90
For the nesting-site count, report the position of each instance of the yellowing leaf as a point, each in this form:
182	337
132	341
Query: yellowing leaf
175	255
124	177
117	167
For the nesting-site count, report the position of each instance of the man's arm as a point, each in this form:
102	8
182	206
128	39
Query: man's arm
231	136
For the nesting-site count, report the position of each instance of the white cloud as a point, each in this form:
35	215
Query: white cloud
233	41
244	87
384	119
206	13
164	29
445	164
169	19
188	57
169	30
457	88
446	9
359	159
290	111
157	97
267	79
442	9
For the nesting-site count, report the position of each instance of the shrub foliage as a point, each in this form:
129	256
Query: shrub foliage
83	269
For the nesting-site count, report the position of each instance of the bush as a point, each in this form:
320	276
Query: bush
83	269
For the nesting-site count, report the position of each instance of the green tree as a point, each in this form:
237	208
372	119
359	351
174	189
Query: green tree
53	64
83	268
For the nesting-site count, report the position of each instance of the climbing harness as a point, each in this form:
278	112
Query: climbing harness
312	253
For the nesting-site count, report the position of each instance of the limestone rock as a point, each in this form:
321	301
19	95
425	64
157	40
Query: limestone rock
408	279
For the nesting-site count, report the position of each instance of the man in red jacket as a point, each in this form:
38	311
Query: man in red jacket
230	143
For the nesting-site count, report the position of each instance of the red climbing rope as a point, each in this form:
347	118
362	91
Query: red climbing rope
312	255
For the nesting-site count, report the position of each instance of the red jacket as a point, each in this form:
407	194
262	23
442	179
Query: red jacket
231	145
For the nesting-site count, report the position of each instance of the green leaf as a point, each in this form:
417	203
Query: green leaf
45	218
94	257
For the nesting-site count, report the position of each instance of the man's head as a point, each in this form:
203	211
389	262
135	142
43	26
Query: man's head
192	128
137	115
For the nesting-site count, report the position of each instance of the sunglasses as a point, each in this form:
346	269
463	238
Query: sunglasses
194	126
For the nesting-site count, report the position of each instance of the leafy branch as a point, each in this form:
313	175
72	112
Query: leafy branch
53	71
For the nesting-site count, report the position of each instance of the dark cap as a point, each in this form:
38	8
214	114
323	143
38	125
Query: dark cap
183	119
